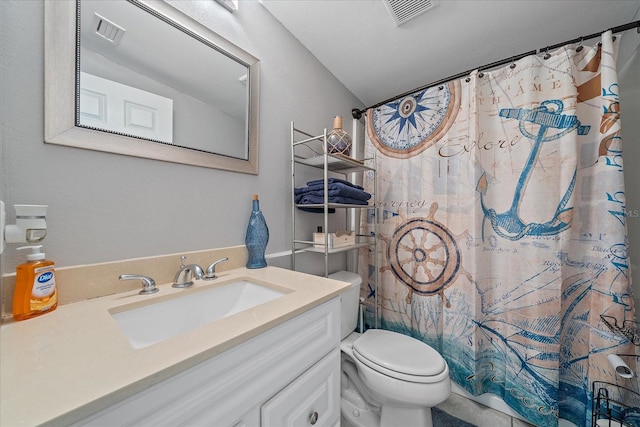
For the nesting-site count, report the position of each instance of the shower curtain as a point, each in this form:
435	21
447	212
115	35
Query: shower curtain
501	228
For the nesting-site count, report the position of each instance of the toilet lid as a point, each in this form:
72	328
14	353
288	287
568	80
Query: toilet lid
399	353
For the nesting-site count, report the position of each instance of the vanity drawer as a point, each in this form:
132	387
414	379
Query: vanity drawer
311	400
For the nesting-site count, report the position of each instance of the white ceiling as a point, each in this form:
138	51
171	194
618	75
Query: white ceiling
358	41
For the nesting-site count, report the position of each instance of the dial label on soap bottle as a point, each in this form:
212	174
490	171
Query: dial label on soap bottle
44	282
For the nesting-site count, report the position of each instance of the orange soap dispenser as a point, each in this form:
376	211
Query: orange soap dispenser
35	292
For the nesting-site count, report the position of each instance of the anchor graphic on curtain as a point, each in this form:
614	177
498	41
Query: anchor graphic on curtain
508	224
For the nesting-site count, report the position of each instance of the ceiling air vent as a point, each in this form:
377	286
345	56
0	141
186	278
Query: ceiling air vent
404	10
107	29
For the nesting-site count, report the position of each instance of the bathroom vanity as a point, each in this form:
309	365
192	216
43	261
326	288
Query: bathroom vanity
275	364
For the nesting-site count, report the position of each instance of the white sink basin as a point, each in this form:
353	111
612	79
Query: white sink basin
156	322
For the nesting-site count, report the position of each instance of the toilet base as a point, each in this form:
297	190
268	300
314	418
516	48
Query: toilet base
391	416
408	417
357	417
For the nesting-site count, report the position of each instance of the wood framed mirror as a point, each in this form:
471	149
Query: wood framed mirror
176	91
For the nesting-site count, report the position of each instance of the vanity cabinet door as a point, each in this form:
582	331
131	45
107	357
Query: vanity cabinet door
313	399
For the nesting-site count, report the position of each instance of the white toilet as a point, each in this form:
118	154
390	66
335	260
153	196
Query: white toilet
388	379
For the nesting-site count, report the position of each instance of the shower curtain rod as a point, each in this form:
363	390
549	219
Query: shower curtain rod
357	114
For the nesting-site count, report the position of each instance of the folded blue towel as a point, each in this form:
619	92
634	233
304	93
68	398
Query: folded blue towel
333	190
333	180
316	210
309	199
339	191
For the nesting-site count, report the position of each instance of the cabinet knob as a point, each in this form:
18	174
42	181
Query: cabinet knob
313	417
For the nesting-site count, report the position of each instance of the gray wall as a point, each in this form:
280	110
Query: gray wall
105	207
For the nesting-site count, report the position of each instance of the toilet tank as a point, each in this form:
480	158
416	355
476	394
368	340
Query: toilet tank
349	301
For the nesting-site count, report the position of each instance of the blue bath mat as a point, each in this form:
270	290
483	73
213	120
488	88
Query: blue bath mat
442	419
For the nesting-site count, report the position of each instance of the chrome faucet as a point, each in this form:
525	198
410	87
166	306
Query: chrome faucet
211	270
148	284
186	274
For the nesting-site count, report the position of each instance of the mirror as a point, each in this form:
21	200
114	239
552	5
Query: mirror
146	80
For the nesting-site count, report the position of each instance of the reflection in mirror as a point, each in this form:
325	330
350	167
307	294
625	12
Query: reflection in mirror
149	82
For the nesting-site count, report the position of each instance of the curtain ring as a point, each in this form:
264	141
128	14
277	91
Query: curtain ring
468	79
480	74
547	55
441	87
513	62
580	47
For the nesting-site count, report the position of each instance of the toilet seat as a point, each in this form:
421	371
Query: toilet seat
399	356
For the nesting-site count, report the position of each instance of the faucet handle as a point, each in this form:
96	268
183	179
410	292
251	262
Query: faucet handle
148	284
211	270
186	274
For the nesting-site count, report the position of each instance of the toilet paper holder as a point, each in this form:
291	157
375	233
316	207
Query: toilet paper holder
619	365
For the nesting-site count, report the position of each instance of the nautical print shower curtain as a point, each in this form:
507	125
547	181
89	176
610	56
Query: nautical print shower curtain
501	228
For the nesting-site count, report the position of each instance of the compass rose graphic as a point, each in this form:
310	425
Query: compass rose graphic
407	127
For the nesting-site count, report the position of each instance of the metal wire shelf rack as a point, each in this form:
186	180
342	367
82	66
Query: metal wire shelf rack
614	406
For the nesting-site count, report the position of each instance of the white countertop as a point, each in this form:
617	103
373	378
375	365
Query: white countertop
65	365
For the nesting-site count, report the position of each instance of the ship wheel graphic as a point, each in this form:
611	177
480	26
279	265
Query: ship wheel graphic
424	255
406	127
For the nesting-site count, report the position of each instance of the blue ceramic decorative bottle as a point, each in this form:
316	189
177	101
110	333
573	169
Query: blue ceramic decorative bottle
257	236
